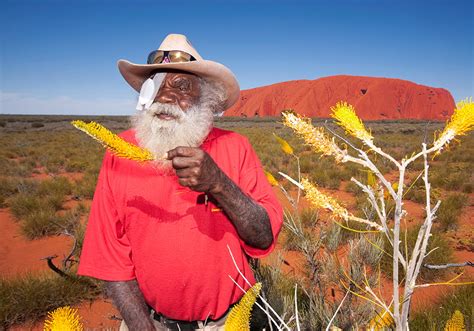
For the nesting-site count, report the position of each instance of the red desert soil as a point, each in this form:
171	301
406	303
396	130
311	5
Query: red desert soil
19	255
374	98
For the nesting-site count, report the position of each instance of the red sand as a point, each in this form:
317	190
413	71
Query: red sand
374	98
19	255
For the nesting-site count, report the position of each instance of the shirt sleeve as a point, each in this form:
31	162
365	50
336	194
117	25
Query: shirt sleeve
254	183
106	252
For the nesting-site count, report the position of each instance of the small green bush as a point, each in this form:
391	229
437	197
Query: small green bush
435	318
450	210
30	297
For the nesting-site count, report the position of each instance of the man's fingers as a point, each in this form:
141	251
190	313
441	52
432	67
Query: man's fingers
180	162
188	172
181	151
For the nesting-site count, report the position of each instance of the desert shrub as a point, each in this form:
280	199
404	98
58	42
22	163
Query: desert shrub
30	297
9	167
306	219
85	188
441	255
450	210
416	194
37	125
24	204
435	317
39	223
3	124
8	187
36	206
451	176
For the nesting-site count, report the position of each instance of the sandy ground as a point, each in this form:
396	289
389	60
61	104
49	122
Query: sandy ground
19	256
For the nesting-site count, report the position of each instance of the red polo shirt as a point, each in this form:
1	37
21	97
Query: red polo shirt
143	225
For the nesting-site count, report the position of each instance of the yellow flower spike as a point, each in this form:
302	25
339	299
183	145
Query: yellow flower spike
345	117
461	122
315	137
114	143
456	322
271	179
63	319
321	200
382	321
285	147
239	316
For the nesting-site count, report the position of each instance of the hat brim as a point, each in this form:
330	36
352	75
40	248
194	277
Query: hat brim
136	74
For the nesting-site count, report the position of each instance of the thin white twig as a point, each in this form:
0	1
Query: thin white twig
337	310
256	303
246	280
296	309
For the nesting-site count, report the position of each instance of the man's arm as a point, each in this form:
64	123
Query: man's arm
129	300
198	171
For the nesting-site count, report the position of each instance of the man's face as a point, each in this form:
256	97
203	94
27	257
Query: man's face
181	89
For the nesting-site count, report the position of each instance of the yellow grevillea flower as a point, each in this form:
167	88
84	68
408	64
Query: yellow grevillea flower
239	316
321	200
346	118
461	122
63	319
456	322
285	147
382	321
315	137
114	143
271	179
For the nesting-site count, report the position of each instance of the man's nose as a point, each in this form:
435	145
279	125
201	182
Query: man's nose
166	97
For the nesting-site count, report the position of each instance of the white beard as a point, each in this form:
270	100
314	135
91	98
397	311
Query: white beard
188	128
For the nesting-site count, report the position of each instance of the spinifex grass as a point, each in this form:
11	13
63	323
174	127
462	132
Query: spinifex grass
30	297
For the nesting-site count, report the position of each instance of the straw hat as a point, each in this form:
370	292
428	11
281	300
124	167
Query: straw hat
136	74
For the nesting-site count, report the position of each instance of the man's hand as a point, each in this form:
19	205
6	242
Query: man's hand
196	169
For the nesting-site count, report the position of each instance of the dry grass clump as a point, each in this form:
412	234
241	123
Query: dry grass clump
37	207
450	210
30	297
436	316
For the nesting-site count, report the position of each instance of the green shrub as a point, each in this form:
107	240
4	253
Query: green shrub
30	297
435	318
85	188
8	187
450	210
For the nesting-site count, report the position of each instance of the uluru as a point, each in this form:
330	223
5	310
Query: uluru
373	98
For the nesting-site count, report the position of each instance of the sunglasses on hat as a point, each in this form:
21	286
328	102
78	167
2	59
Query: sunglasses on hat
158	56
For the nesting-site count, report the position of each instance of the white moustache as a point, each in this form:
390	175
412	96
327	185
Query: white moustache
158	108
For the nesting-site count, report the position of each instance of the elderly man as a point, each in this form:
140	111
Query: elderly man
161	234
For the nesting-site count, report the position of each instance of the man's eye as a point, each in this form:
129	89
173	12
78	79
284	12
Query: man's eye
182	85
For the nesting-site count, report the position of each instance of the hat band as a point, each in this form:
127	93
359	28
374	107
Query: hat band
157	57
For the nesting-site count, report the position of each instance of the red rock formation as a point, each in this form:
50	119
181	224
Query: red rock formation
373	98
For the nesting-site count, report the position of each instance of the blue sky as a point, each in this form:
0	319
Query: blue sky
59	57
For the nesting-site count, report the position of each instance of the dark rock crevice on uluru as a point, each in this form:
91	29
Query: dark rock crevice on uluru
373	98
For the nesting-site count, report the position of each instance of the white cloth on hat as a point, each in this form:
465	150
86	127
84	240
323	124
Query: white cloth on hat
149	90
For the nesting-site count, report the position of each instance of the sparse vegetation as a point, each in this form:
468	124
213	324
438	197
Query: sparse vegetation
30	297
434	317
